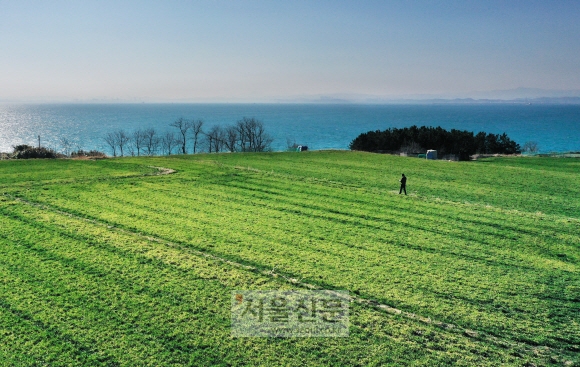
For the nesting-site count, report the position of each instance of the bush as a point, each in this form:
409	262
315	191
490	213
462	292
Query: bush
88	154
27	152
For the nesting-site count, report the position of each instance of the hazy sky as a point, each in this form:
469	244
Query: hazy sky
239	50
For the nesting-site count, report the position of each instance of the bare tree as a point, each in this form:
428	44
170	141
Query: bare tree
215	139
138	141
531	147
196	131
66	145
243	140
111	140
252	136
261	141
231	138
151	141
169	142
122	140
183	126
130	147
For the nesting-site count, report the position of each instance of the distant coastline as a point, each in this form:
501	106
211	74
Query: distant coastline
540	100
322	100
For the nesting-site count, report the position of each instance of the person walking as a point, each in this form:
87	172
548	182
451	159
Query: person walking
403	182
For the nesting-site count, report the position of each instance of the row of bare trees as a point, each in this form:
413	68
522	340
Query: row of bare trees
246	135
141	142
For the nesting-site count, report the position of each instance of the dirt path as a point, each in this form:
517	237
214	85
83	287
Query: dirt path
163	170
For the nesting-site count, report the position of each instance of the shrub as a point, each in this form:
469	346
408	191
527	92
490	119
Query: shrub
88	154
26	152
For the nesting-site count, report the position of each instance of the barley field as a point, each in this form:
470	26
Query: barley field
132	261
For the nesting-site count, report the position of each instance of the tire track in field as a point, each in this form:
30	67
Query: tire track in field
519	346
84	351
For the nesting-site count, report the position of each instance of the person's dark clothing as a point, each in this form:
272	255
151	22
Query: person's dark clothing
403	185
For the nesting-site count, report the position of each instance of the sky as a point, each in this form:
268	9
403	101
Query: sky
259	51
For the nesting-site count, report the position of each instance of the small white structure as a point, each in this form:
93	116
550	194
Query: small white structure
431	154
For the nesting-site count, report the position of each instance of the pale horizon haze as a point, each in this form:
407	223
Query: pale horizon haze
262	51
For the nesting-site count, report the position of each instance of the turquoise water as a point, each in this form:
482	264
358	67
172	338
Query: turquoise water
555	127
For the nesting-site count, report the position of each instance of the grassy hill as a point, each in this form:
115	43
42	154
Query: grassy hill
112	263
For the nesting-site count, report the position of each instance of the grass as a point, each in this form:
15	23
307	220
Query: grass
108	263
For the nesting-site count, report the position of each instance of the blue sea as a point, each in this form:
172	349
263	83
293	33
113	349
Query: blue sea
556	128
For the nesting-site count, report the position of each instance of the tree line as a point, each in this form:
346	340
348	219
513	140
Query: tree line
415	139
189	136
246	135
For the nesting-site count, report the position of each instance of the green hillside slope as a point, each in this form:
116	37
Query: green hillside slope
117	263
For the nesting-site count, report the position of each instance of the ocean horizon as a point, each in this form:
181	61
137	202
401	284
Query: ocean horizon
556	128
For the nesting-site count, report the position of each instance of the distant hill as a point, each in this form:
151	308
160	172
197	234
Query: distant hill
540	100
517	95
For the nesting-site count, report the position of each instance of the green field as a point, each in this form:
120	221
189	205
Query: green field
111	263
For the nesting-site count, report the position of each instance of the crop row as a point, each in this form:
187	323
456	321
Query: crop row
382	251
547	185
78	293
35	172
